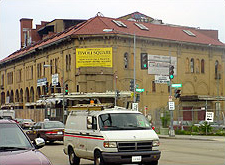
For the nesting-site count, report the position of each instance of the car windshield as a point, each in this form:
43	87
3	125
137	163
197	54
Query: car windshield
11	136
27	120
48	125
123	121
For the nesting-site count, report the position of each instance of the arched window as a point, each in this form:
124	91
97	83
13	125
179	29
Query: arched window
11	97
192	66
125	60
17	97
38	95
32	94
69	62
27	96
202	66
197	66
216	69
21	95
187	65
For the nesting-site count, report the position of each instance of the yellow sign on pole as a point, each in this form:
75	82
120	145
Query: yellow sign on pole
93	57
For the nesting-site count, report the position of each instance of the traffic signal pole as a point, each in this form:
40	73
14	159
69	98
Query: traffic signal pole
171	130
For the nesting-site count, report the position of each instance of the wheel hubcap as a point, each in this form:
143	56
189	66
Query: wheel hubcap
71	158
98	161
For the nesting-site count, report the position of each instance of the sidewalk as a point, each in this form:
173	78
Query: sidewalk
194	137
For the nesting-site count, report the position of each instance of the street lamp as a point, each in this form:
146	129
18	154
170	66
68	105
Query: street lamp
134	36
63	101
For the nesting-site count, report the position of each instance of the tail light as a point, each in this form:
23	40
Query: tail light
51	133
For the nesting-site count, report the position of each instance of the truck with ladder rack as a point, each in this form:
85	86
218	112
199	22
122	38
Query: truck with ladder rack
115	135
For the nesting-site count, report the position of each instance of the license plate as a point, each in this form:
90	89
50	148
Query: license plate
59	133
136	158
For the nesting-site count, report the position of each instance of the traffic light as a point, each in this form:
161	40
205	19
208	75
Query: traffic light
177	93
132	85
117	93
66	89
171	72
46	87
137	97
144	61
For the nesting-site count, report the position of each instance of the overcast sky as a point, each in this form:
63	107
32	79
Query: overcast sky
206	14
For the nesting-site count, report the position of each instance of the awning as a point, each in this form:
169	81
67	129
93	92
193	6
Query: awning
49	101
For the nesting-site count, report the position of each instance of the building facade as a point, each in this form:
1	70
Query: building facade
109	50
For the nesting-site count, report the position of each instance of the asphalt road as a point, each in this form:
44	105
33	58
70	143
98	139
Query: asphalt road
174	152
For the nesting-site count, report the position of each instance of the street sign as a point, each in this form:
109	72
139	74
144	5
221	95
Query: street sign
55	79
171	105
176	85
170	98
135	106
140	90
161	79
209	116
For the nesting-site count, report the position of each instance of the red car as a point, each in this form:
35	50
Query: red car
16	148
48	130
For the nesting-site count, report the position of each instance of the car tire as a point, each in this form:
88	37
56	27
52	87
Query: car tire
152	163
73	159
98	159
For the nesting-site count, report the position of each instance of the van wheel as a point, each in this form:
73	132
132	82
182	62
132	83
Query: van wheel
152	163
98	160
73	159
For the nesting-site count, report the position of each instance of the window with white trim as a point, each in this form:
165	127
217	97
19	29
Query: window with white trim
141	26
188	32
119	23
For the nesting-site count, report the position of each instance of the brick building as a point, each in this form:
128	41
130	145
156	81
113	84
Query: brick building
197	56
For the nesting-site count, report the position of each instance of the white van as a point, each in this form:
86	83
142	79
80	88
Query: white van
7	114
113	135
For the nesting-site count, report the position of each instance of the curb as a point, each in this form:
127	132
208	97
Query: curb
189	138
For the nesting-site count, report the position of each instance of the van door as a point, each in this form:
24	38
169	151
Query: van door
95	138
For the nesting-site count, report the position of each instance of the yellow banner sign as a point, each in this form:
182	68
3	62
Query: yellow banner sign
93	57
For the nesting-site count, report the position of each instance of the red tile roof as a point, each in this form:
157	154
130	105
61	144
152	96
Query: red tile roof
95	26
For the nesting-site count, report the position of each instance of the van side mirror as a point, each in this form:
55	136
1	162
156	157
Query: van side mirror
89	122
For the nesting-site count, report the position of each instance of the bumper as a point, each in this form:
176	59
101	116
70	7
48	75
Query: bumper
126	157
53	138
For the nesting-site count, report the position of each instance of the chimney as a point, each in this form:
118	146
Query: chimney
25	31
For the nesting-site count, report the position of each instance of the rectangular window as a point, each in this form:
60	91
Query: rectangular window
19	75
31	72
188	32
3	80
10	78
119	23
78	88
153	86
56	64
141	26
51	67
39	70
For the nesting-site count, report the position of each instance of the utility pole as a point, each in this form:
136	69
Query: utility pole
134	68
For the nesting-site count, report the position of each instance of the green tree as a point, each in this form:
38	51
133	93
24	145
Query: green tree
165	119
205	128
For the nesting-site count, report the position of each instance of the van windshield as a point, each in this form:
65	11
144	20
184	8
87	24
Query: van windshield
123	121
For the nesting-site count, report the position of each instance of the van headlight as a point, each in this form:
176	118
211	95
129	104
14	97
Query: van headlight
109	144
155	143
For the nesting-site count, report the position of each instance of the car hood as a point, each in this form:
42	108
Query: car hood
25	157
130	135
